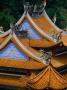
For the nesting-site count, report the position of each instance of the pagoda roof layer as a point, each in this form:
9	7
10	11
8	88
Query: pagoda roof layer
56	61
36	61
44	26
16	41
34	25
32	43
46	32
48	78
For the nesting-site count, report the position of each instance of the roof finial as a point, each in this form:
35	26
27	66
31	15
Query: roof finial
1	30
54	18
27	7
35	7
44	3
12	28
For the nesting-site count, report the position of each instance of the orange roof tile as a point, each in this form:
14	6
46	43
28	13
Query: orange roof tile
14	82
48	78
44	24
29	64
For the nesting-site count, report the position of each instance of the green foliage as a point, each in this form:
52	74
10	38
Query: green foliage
5	20
60	8
11	11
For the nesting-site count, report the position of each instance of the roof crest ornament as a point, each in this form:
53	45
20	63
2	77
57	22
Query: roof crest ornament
44	3
27	7
13	28
39	9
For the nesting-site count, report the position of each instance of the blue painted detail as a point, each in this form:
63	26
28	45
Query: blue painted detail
12	52
32	34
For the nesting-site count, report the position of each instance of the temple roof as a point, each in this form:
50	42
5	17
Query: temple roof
44	30
25	44
16	41
17	52
48	78
35	26
28	51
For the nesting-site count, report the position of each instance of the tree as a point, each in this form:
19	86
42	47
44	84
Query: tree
11	10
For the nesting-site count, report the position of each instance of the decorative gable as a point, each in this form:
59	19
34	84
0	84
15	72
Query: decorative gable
12	52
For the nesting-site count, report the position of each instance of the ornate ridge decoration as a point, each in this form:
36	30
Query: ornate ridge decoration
46	55
56	36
